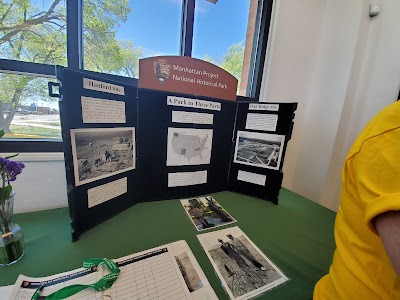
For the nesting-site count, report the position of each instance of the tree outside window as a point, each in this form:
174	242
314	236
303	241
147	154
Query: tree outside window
35	31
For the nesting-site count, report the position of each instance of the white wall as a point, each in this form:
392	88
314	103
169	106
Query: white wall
42	184
291	61
375	83
354	72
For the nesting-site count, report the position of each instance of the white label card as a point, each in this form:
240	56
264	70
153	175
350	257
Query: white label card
251	177
187	178
95	110
100	86
264	122
259	106
194	103
192	117
108	191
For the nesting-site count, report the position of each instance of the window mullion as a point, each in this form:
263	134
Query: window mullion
74	34
188	7
264	14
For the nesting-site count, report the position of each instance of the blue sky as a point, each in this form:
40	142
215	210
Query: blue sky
155	25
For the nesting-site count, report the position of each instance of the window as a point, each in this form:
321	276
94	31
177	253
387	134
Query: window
33	31
117	33
222	35
109	37
26	110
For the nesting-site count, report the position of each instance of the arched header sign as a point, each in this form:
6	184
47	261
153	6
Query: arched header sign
182	74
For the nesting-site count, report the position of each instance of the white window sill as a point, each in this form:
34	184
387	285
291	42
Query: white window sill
36	157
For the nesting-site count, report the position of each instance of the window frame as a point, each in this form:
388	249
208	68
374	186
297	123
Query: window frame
75	59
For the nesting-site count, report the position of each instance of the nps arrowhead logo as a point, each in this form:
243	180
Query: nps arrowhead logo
161	69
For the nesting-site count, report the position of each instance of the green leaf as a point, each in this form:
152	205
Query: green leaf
6	192
1	132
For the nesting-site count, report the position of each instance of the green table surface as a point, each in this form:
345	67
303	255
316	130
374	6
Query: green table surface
297	235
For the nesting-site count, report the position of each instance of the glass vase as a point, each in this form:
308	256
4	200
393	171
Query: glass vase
11	235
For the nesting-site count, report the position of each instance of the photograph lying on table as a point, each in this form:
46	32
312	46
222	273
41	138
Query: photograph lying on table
189	146
243	269
102	152
206	213
259	149
166	272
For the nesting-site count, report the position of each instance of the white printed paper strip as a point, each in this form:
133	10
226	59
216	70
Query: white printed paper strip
260	106
106	192
187	178
95	110
263	122
100	86
194	103
251	177
192	117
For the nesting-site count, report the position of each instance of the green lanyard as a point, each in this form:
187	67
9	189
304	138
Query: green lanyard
104	282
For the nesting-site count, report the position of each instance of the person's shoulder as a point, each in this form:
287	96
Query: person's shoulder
387	119
384	124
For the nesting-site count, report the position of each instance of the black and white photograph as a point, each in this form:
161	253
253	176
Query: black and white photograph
206	213
192	279
243	269
102	152
259	149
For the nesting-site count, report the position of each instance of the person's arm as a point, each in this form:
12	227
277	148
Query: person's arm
387	226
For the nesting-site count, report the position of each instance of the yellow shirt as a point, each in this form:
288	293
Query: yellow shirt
361	269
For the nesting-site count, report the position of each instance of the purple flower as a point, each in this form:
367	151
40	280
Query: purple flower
10	169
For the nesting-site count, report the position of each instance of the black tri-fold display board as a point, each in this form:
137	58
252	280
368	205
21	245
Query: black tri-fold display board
125	144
